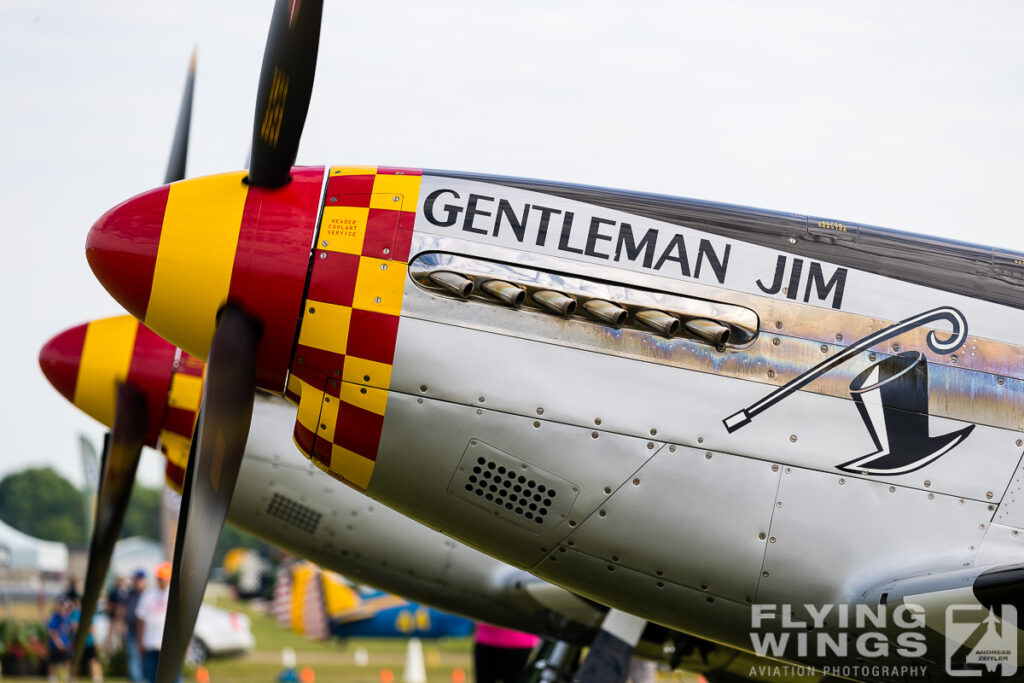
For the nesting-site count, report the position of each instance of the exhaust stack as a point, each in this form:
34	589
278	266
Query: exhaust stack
605	311
709	330
453	282
505	291
555	302
660	322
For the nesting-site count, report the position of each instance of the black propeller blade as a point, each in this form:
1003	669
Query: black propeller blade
121	453
179	148
218	446
286	83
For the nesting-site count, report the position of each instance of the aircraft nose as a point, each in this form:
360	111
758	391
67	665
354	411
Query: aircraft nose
86	363
174	256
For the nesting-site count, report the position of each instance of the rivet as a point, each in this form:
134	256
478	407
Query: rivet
654	432
660	584
775	341
479	412
1020	443
323	254
700	439
312	310
792	438
749	600
778	324
660	573
1016	533
597	420
1000	381
607	490
762	535
650	445
871	357
481	399
327	399
981	526
419	400
362	390
423	387
572	523
323	426
636	482
775	468
593	435
771	540
824	348
988	495
788	470
386	251
931	496
771	373
334	200
710	599
602	513
842	481
892	489
991	508
952	359
671	449
707	456
376	299
337	373
961	501
299	359
703	586
764	574
792	240
383	266
779	504
895	347
366	378
927	483
396	198
536	424
540	411
324	243
839	337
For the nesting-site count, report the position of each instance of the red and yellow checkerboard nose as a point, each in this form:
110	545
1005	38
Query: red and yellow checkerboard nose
86	363
175	255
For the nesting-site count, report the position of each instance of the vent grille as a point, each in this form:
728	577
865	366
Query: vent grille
292	512
512	489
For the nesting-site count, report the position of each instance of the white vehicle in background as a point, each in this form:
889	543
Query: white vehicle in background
219	632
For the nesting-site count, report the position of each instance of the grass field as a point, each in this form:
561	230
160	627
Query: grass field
331	660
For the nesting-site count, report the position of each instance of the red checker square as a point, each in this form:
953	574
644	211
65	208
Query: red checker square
180	421
322	450
358	430
380	233
372	336
398	170
304	438
350	184
334	278
403	244
316	363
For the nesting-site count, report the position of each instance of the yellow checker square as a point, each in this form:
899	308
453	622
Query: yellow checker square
353	170
328	418
379	286
325	326
310	402
175	448
353	467
367	398
369	372
186	391
343	229
387	187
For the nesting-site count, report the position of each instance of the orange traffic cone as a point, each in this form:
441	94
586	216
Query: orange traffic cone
458	675
202	675
387	676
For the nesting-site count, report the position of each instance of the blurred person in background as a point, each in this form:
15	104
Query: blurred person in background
132	651
60	631
500	654
151	614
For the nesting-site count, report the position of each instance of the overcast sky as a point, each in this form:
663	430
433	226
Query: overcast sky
907	115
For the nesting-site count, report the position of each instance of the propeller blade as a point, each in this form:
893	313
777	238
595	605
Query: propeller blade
179	148
121	451
215	458
286	83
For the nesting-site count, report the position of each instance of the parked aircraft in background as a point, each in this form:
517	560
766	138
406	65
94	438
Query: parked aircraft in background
283	499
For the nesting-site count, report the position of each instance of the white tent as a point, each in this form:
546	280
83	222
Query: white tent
28	552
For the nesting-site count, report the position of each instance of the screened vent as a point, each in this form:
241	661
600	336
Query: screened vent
292	512
507	486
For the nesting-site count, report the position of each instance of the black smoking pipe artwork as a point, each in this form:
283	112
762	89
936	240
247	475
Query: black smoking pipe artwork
891	397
